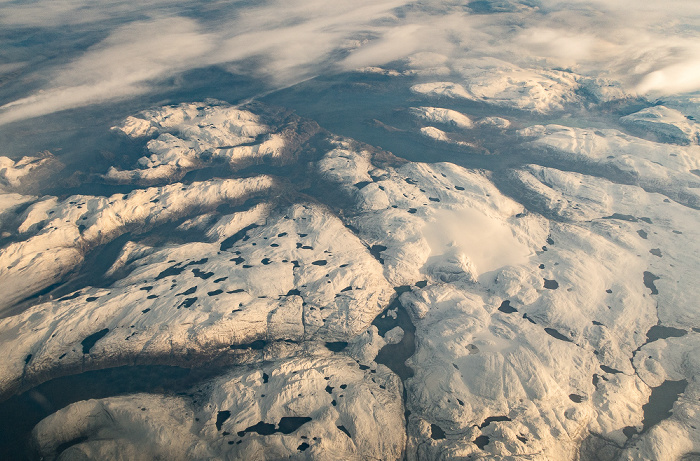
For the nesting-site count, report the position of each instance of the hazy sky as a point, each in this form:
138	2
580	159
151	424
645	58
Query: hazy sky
100	51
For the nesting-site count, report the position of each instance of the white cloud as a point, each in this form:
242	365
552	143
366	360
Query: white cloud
683	77
53	13
650	47
118	67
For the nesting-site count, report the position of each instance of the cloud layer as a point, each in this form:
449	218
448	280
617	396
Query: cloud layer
651	48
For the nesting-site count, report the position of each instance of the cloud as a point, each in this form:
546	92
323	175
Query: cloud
53	13
683	77
118	67
647	46
291	39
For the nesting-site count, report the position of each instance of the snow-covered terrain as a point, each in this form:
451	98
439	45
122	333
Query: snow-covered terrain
540	334
537	325
500	83
369	230
318	407
665	124
657	167
190	136
55	234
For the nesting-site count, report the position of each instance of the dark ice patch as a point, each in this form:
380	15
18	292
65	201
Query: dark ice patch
255	345
240	235
555	334
656	252
649	280
189	291
261	428
343	429
177	269
481	441
221	418
436	432
394	356
622	217
320	262
551	284
506	308
642	234
576	398
661	402
187	302
529	319
629	431
289	424
90	341
610	370
336	346
303	446
494	419
201	274
376	250
661	332
69	297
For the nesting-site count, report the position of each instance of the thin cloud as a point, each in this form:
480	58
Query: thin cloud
118	67
649	47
